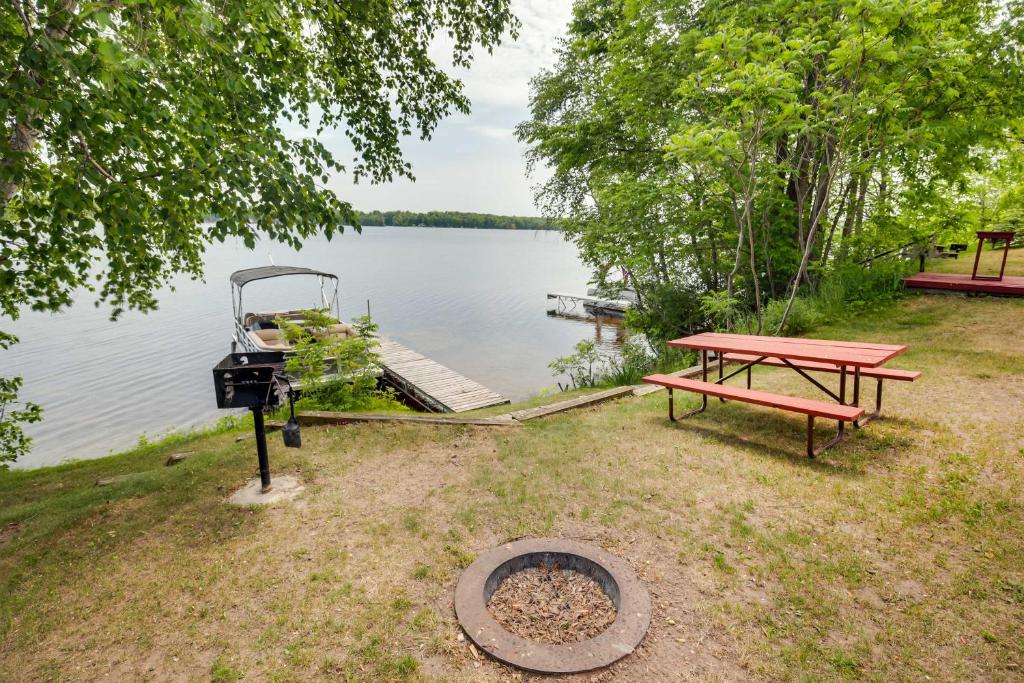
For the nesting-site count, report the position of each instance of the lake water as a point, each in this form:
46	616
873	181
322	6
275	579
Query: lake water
473	300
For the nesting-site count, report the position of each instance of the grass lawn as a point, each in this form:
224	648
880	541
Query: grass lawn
898	555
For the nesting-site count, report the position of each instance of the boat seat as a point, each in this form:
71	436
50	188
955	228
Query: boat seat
271	340
341	330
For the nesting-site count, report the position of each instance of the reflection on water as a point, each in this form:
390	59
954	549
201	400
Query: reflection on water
608	332
474	300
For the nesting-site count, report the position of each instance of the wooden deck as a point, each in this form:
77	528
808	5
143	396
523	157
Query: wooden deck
429	384
955	282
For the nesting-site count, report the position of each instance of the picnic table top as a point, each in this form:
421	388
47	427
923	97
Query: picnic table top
854	354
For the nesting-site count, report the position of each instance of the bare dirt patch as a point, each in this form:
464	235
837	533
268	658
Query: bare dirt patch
7	532
552	605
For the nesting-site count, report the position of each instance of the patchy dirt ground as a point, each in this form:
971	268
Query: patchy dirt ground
897	555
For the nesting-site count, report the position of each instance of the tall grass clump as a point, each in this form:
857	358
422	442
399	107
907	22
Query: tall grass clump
846	290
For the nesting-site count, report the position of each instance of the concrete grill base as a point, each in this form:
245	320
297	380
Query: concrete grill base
282	488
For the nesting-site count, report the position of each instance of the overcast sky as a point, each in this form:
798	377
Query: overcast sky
473	163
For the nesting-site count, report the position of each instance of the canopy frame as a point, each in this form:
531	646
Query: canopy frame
240	278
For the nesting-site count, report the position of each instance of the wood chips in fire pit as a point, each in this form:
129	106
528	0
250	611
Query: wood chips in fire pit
551	605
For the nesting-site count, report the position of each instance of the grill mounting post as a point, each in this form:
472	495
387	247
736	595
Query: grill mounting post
250	380
261	447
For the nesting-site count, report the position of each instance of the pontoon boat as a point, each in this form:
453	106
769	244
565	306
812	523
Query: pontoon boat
258	330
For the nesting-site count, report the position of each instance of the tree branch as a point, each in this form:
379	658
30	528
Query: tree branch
20	11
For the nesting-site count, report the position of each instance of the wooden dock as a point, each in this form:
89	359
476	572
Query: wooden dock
430	385
566	304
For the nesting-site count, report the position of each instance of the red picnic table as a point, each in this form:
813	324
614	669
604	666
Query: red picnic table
800	355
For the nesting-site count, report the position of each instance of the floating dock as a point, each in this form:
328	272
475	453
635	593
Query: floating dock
432	386
567	303
951	282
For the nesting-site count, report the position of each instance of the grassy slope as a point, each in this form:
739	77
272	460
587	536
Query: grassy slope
897	555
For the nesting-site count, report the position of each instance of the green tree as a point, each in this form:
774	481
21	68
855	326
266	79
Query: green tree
126	124
336	373
751	148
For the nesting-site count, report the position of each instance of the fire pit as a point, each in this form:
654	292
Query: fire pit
553	565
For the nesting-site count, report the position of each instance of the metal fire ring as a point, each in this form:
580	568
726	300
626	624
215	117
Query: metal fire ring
614	575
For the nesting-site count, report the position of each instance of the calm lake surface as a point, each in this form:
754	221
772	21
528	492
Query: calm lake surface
473	300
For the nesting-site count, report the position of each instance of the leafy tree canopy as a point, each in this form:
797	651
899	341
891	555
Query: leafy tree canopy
748	148
126	123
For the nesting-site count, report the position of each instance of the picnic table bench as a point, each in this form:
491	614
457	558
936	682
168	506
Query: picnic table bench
800	355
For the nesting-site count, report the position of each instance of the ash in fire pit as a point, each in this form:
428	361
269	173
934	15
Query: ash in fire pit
552	605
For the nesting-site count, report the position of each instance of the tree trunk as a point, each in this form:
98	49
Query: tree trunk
23	136
847	196
819	206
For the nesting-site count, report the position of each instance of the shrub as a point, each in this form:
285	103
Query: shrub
337	373
629	366
580	366
721	309
803	317
590	367
858	287
667	312
845	290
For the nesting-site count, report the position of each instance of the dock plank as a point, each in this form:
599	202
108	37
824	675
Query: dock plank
431	384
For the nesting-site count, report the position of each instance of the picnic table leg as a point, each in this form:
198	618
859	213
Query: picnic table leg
721	370
842	395
856	393
878	406
841	432
671	407
703	398
811	450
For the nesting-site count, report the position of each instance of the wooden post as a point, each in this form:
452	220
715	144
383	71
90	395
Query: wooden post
1007	238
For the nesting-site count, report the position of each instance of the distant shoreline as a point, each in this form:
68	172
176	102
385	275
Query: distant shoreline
455	219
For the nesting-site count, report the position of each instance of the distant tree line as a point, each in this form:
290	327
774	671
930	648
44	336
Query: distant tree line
457	219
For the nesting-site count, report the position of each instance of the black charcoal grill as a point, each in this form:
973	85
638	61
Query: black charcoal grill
254	381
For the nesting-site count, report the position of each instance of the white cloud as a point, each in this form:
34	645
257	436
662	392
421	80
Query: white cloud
494	132
502	78
474	163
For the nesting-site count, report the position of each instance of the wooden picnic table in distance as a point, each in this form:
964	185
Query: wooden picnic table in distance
800	355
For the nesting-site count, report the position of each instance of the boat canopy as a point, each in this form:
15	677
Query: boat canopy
240	278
